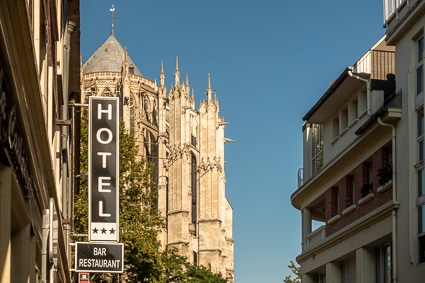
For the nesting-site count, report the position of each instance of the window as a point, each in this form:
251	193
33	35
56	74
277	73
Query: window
422	249
132	115
387	264
421	216
367	187
421	219
390	7
420	138
349	193
131	69
362	103
348	270
343	117
195	258
334	201
420	202
421	182
420	66
317	147
335	128
320	278
146	109
193	174
194	130
352	111
167	193
384	263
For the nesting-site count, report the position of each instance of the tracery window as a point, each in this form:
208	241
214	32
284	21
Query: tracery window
132	114
146	108
194	188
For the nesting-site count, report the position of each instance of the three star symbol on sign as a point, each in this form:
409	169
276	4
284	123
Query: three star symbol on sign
103	230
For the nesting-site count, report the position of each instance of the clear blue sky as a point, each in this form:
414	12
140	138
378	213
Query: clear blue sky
270	61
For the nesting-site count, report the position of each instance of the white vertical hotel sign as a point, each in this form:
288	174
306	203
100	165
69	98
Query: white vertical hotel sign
103	169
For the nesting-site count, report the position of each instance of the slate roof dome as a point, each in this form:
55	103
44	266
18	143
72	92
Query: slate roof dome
109	58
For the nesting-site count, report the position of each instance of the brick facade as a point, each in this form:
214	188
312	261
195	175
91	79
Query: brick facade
339	199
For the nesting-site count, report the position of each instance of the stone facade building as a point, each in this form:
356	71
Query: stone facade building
186	146
39	78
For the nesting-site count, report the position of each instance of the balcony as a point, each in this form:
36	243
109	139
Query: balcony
375	205
378	63
315	238
398	14
389	111
391	7
318	240
338	197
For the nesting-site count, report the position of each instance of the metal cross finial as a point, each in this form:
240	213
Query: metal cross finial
112	9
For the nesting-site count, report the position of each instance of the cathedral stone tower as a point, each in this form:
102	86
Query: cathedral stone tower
186	146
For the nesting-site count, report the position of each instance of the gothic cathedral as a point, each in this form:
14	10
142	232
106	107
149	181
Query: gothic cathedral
186	146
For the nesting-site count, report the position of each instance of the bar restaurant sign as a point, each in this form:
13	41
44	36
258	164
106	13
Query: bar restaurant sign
103	169
99	257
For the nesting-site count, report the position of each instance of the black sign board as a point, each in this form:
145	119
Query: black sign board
99	257
103	169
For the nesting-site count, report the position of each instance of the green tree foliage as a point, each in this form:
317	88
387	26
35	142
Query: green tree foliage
200	274
296	271
140	223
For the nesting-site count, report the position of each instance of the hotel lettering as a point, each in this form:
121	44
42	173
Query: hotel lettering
103	169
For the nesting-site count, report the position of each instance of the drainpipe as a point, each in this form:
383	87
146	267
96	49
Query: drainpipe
65	116
44	247
395	201
350	73
67	184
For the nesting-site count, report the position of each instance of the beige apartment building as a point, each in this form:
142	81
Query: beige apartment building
185	144
362	188
349	188
405	24
39	76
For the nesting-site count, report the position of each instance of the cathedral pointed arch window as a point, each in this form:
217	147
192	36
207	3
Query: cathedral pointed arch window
132	114
154	155
145	107
194	188
149	145
195	258
194	131
167	191
155	114
139	103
